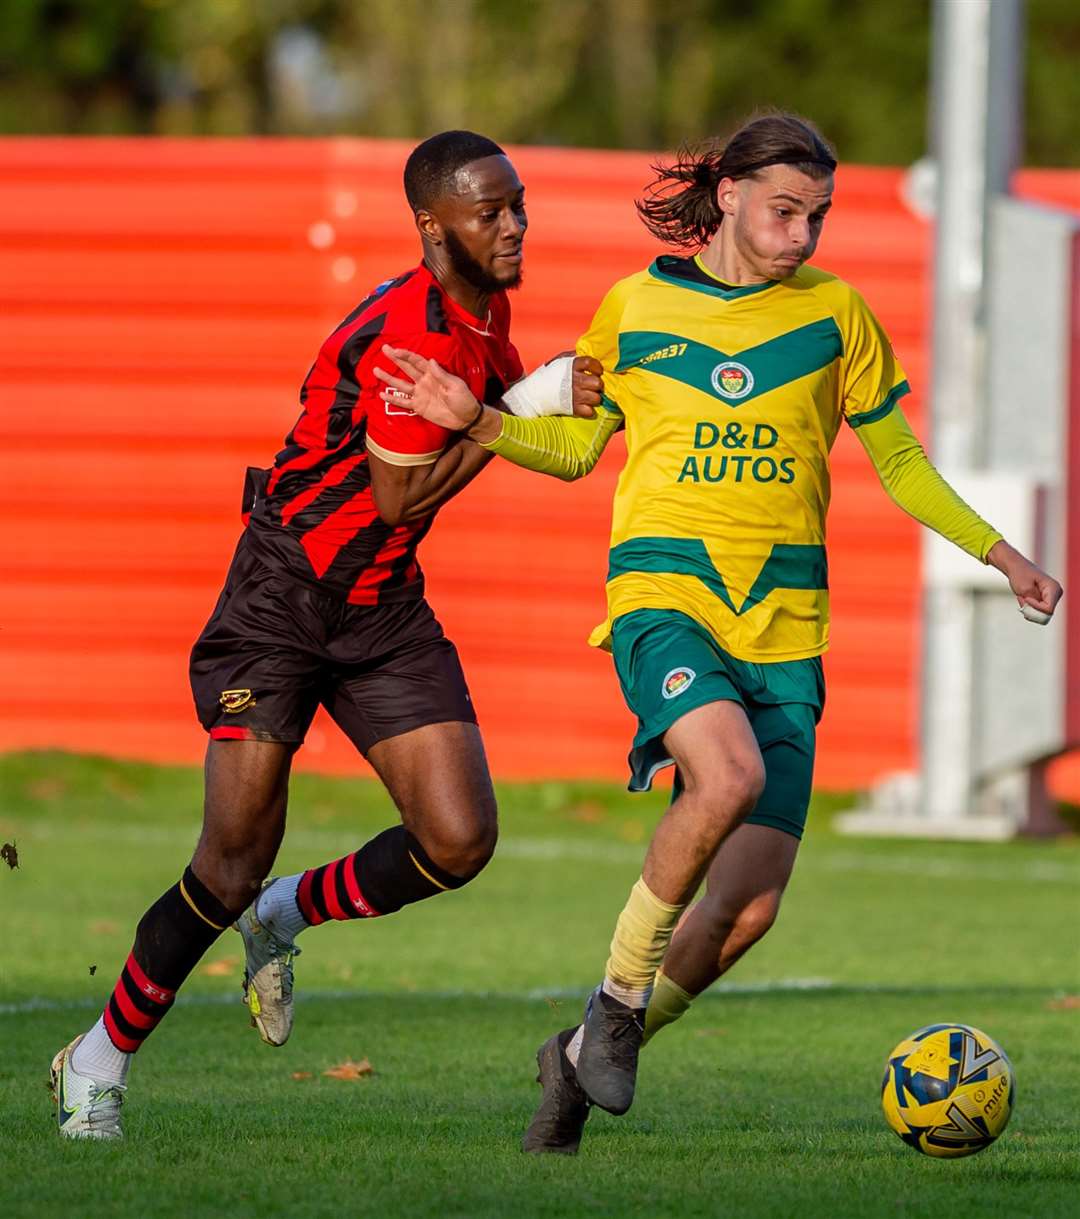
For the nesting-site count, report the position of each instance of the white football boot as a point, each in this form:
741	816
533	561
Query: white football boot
268	976
85	1107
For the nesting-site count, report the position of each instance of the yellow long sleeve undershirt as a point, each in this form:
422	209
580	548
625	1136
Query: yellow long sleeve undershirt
568	448
563	446
913	483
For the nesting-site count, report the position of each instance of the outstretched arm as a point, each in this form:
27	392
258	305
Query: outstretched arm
565	447
914	484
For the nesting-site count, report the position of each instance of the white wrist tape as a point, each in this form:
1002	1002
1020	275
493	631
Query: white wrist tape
547	391
1035	615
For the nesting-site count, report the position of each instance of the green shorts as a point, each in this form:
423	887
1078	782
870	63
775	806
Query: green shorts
668	665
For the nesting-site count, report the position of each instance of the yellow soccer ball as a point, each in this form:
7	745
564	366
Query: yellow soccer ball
948	1090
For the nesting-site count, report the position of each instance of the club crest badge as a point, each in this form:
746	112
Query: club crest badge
676	682
732	380
233	701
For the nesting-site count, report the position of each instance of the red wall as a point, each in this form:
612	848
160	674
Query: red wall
162	301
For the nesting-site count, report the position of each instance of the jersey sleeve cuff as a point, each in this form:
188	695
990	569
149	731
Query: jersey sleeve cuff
879	412
989	542
402	459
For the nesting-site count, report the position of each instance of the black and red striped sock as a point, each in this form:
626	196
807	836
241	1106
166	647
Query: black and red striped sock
390	871
171	938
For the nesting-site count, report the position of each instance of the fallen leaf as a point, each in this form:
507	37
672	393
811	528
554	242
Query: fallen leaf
1067	1003
222	968
10	855
93	970
301	1075
554	1004
350	1070
103	926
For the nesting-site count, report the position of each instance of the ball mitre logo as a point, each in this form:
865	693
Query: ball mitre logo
236	700
732	379
676	682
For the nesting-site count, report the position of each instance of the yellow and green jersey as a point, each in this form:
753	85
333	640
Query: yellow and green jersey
732	398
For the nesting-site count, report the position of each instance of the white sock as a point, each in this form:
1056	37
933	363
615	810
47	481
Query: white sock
573	1048
277	908
627	994
97	1057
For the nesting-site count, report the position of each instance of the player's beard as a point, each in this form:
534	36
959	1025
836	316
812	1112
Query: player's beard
472	272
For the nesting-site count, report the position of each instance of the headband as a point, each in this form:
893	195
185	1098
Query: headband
781	159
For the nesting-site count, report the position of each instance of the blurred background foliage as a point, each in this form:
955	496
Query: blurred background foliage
600	73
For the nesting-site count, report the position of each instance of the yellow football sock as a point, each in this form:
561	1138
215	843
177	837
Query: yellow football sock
667	1003
642	935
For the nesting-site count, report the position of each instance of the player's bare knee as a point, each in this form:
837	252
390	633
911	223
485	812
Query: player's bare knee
462	848
232	872
747	784
738	792
729	794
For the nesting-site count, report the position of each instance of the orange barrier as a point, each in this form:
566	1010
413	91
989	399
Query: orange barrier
162	302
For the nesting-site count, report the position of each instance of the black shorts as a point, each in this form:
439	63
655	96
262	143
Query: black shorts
275	648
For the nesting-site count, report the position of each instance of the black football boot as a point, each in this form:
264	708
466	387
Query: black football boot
607	1064
558	1122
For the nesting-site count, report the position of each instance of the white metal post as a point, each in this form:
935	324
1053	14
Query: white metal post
976	124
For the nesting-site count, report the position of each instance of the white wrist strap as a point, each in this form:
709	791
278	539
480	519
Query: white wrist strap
547	391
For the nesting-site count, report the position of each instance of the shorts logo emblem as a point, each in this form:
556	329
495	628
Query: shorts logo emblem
676	682
236	700
732	380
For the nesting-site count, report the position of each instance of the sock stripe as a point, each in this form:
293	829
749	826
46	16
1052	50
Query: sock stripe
357	900
330	893
138	1020
150	989
137	998
303	900
135	1007
341	889
393	868
126	1045
126	1030
316	895
309	897
187	897
169	940
429	869
426	874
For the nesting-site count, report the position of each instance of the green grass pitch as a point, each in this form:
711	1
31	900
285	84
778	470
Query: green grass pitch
762	1102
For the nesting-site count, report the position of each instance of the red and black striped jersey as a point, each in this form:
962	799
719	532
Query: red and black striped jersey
314	512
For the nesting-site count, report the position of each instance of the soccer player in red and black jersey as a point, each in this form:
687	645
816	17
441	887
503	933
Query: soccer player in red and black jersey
324	604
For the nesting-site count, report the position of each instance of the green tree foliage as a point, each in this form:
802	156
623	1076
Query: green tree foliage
601	73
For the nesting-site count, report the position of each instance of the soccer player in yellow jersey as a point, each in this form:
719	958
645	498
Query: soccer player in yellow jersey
732	370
